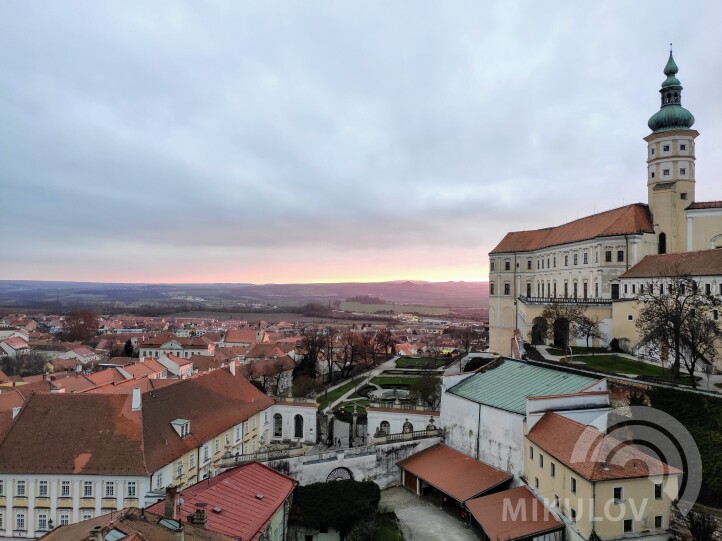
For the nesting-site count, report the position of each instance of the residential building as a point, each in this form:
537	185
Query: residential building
597	483
165	343
251	501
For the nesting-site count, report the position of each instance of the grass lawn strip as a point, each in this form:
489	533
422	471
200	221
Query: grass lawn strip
325	399
382	381
620	365
423	362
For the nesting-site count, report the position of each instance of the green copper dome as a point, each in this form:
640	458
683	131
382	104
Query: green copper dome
671	115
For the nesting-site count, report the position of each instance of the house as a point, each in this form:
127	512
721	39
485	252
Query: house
177	366
129	524
12	347
83	354
581	262
112	451
245	336
598	483
249	502
164	343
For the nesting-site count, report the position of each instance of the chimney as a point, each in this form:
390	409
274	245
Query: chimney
199	517
16	410
232	366
170	504
96	534
135	404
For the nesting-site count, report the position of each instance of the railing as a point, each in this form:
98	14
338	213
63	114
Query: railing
410	407
261	456
564	300
408	436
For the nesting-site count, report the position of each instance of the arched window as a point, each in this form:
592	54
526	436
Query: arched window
298	426
277	425
662	243
385	427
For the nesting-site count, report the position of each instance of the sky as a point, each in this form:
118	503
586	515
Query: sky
309	141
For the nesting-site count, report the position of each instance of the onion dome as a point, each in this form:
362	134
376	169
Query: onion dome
671	115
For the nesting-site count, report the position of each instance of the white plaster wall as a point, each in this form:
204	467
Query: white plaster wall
419	419
288	413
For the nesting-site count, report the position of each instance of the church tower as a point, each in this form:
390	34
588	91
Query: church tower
670	164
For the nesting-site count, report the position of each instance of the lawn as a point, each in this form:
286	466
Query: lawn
324	399
620	365
389	381
360	406
425	363
576	350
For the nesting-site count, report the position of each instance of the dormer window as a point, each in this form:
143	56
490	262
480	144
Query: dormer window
182	427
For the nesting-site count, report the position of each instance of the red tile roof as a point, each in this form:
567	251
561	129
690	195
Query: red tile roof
112	439
454	473
90	434
624	220
236	493
705	205
700	263
246	335
592	454
496	515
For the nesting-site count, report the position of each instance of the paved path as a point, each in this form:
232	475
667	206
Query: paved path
420	520
388	365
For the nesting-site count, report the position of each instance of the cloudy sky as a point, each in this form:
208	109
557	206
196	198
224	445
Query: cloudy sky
328	141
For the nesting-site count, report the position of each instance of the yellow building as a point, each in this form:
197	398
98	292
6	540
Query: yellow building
597	483
580	262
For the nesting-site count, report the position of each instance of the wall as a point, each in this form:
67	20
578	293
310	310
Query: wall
396	420
376	464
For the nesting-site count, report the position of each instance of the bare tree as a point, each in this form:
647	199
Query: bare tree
80	325
313	341
701	336
671	307
588	328
560	313
386	341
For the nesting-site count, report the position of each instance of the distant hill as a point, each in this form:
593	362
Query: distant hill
47	295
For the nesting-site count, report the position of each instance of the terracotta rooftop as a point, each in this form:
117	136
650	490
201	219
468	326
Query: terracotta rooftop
454	473
533	520
112	439
592	454
245	335
700	263
132	525
705	205
246	497
624	220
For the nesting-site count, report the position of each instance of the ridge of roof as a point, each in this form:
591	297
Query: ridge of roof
630	219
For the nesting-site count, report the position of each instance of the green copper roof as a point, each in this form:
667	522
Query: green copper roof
671	116
671	67
508	385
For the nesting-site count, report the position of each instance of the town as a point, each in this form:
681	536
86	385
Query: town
205	343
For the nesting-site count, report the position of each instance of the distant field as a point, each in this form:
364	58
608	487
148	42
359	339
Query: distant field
396	308
272	317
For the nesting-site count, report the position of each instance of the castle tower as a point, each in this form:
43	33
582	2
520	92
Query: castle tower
670	164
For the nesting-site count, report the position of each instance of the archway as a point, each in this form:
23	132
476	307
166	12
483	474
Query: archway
340	474
538	331
298	426
561	332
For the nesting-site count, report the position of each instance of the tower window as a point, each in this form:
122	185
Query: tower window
666	148
662	247
491	288
683	195
682	147
492	264
665	172
652	174
528	264
651	151
682	171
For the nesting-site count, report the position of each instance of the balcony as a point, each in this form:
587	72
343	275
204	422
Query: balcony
408	436
563	300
